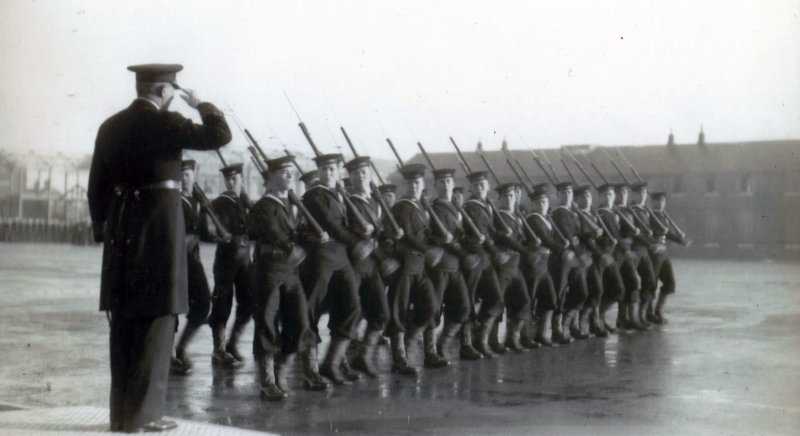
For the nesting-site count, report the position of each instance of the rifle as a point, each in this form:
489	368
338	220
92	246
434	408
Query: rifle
298	253
497	215
363	248
433	255
648	231
585	219
469	223
662	227
395	228
553	179
201	197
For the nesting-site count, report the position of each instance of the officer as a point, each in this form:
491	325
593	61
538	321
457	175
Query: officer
413	288
328	263
372	291
135	205
516	296
550	297
448	277
198	227
663	264
278	297
231	268
482	281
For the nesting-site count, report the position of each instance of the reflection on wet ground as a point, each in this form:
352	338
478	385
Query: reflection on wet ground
728	362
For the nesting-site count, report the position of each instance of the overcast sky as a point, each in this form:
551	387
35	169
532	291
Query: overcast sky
553	73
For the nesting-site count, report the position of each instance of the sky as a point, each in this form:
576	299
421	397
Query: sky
539	74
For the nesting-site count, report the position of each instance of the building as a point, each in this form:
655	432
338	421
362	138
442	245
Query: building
733	199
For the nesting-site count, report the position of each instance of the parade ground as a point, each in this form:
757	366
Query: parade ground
728	362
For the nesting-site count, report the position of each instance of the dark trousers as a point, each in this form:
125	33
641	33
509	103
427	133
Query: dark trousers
627	263
451	292
279	300
412	302
484	285
613	284
594	285
374	301
664	272
199	293
647	274
577	288
539	281
560	271
231	271
515	290
140	350
334	291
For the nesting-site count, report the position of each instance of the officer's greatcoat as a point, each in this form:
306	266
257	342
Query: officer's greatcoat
144	257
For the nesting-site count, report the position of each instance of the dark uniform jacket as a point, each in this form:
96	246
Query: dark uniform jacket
514	244
371	212
331	214
543	227
144	255
412	246
671	234
232	211
453	222
273	226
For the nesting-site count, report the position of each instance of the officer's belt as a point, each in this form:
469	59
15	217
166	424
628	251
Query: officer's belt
164	184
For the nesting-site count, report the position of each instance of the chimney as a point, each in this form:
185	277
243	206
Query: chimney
701	138
671	139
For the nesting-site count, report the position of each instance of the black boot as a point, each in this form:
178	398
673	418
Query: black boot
432	357
513	334
233	340
348	372
399	360
658	315
596	325
544	334
180	351
266	375
449	331
494	338
220	358
331	367
312	381
364	362
527	335
484	330
468	351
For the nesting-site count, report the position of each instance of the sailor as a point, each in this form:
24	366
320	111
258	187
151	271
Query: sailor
482	281
231	268
328	263
280	309
448	277
412	297
198	227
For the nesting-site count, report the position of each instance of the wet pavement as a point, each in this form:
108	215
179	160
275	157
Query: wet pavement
727	363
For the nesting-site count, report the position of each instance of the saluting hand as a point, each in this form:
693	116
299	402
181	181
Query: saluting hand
190	97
